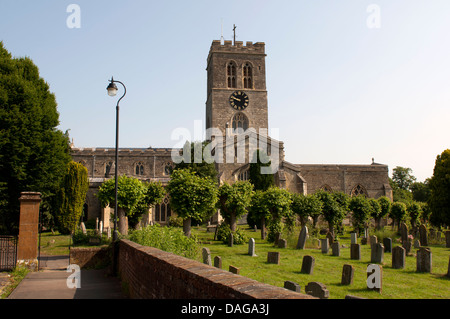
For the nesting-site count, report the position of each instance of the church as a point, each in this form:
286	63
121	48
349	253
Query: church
236	117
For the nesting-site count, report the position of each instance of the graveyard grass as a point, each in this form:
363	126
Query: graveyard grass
396	283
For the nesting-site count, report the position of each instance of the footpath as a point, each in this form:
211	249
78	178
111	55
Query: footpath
50	282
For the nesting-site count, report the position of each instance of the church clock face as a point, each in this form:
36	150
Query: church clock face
239	100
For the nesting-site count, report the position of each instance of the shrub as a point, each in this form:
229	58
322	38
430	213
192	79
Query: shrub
169	239
224	231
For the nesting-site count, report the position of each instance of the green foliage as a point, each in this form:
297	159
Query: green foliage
414	210
362	210
200	160
192	196
306	206
421	191
402	177
260	181
439	201
169	239
234	200
71	197
224	232
385	205
334	208
398	211
33	153
257	209
278	204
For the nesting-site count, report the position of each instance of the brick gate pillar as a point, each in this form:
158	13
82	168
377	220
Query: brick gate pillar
27	248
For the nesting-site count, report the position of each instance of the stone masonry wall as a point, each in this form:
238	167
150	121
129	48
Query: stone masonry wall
154	274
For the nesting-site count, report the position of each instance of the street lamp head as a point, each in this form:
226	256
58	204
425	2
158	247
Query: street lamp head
112	88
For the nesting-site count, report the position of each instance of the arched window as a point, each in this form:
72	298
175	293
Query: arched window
244	176
326	188
139	169
231	75
163	211
240	123
247	76
359	190
167	169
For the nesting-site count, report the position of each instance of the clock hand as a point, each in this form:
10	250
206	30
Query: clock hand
236	98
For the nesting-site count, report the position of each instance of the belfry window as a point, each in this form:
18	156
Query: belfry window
231	75
247	76
139	169
240	123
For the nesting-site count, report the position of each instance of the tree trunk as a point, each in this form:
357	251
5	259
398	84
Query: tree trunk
263	228
123	222
233	222
187	227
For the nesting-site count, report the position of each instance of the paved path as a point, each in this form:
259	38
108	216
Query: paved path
51	283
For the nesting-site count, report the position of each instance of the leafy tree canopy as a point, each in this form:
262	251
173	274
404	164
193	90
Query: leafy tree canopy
439	201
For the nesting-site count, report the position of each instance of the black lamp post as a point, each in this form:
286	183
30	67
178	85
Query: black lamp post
112	91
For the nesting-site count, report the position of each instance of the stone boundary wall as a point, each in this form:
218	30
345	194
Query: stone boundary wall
151	273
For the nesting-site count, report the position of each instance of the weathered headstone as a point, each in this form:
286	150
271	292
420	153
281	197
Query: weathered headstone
447	239
292	286
347	274
302	238
255	229
218	262
251	247
407	245
355	251
273	257
335	249
387	243
398	257
206	254
417	243
423	235
317	289
83	228
282	243
353	238
373	239
277	238
234	270
308	265
424	260
403	232
100	230
324	244
375	277
377	253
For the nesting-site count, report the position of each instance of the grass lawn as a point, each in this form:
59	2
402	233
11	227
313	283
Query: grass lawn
397	283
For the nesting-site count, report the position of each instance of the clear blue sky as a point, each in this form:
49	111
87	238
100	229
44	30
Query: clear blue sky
339	91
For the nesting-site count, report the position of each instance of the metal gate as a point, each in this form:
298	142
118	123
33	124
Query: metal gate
8	253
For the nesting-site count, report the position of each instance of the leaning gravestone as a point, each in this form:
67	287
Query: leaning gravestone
282	243
398	257
335	249
308	265
218	262
423	235
302	238
347	274
325	245
424	260
273	257
206	256
387	243
292	286
377	253
355	251
317	289
404	232
417	243
234	270
251	247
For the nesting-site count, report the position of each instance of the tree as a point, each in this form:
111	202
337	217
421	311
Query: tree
414	210
200	160
154	194
398	212
130	192
421	191
439	201
260	181
258	211
34	154
71	197
385	205
306	206
361	208
278	204
334	208
402	177
192	196
234	201
376	211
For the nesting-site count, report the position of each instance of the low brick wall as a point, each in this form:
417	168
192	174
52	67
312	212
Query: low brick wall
151	273
96	257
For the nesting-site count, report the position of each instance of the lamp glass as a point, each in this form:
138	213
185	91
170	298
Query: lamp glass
112	91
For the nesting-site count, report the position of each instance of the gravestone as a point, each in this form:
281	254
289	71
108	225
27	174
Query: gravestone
302	238
218	262
255	229
231	240
404	232
355	251
206	254
330	238
407	245
433	234
292	286
324	244
308	265
277	238
353	238
100	230
234	270
251	247
109	232
447	239
282	243
83	228
424	260
373	239
96	225
398	257
387	243
375	277
377	253
347	274
423	237
335	249
273	257
417	243
317	289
